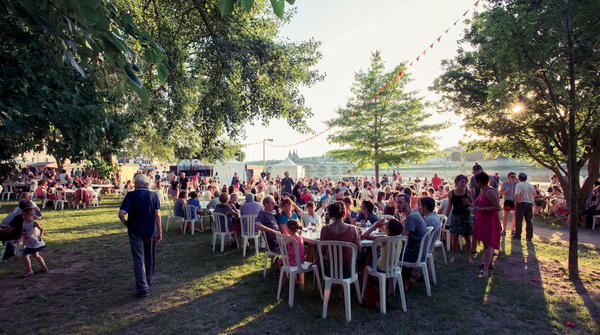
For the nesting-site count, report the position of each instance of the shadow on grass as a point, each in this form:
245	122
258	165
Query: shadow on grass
591	305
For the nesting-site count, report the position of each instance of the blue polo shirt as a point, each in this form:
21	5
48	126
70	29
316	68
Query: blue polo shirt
140	206
372	217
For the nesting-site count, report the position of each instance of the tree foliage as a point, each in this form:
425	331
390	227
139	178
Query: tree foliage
88	33
47	106
389	130
527	70
233	70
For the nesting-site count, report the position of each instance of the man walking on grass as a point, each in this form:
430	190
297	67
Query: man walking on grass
144	228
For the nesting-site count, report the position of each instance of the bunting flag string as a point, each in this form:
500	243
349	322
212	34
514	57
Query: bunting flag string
396	77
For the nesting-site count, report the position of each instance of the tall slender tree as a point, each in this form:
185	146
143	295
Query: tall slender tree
389	130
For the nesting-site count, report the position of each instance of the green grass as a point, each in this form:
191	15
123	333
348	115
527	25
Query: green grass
90	290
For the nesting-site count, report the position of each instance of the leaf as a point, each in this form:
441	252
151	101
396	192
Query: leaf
247	5
150	55
226	7
74	64
131	76
278	6
291	2
163	72
137	69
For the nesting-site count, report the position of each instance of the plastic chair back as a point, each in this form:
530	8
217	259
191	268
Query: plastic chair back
190	212
443	219
395	247
248	223
335	254
424	248
220	223
284	241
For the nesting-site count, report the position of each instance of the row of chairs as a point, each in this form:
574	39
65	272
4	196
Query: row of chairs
333	268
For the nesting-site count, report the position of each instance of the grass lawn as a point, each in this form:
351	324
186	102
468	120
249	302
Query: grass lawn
90	289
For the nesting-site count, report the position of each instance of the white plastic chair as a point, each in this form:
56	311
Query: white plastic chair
220	228
435	234
248	223
395	247
170	215
335	252
7	191
191	217
438	240
293	270
268	252
449	235
421	261
60	199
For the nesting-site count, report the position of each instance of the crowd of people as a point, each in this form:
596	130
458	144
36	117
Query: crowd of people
468	205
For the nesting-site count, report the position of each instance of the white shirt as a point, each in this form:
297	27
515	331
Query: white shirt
524	191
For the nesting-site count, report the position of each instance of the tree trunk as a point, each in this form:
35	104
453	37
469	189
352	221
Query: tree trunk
376	172
572	156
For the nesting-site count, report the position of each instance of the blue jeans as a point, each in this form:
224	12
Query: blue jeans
142	250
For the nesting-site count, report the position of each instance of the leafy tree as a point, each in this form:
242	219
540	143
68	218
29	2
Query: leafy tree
226	6
232	70
388	130
528	82
88	33
48	106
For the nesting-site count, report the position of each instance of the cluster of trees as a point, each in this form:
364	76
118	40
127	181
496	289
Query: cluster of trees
84	80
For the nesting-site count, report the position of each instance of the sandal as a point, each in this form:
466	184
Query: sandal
26	274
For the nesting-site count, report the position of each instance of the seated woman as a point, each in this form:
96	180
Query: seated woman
592	208
557	201
232	214
390	207
179	207
51	193
381	201
41	190
338	230
540	202
350	213
366	212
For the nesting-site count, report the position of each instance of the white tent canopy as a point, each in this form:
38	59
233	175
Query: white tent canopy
296	171
226	170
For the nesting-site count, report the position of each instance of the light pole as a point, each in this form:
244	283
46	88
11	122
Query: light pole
265	140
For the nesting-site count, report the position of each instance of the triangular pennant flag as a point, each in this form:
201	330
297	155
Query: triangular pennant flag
385	85
396	77
410	64
424	51
400	74
431	45
476	3
465	13
438	39
455	22
405	68
418	58
447	30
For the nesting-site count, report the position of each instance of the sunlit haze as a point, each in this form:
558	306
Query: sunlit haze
349	32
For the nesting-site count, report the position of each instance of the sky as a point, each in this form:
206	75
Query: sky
349	32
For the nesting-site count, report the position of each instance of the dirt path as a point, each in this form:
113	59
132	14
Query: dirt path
585	236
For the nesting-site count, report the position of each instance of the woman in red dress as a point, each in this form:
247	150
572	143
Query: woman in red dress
487	226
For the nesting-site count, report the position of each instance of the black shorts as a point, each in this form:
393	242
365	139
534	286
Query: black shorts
509	205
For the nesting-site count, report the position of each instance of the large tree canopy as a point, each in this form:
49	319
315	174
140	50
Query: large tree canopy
232	70
386	131
528	80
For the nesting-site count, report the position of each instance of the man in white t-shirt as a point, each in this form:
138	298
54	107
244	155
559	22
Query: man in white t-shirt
524	193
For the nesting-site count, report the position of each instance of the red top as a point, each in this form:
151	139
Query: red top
436	182
487	224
